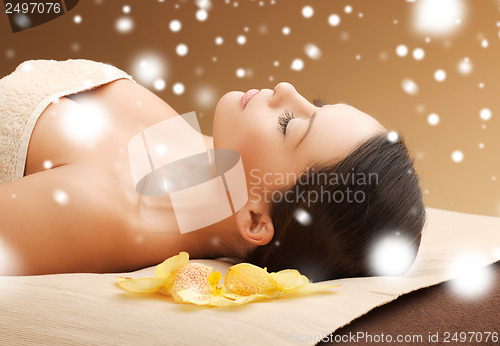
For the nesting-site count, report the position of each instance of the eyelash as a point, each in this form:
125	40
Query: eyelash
318	102
283	121
285	117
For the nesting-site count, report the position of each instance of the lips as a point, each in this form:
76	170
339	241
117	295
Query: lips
248	95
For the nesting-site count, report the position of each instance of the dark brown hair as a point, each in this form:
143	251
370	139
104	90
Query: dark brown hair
338	240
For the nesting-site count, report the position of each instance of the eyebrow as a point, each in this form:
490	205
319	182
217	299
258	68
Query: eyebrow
311	119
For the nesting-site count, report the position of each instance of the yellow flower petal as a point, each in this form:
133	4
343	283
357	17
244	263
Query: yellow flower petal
193	276
195	283
190	296
236	299
247	279
165	269
144	285
213	280
289	278
310	288
291	281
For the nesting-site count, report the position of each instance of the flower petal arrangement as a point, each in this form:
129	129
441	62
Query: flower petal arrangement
195	283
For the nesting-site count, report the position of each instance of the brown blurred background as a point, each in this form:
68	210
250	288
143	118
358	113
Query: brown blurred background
348	52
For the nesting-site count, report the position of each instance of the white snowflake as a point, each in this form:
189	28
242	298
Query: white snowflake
297	65
307	11
175	25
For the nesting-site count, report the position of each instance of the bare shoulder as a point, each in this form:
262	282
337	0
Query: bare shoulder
126	92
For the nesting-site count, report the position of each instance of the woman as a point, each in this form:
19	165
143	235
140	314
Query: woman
76	209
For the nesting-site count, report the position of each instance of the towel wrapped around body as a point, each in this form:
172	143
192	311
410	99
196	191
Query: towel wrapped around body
27	91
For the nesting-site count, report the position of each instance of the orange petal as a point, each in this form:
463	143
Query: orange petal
289	278
193	276
247	279
144	285
165	269
190	296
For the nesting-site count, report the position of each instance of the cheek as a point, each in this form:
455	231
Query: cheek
263	158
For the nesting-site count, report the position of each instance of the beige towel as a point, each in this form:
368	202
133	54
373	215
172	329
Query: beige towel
90	309
26	92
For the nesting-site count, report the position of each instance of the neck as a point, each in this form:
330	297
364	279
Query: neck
221	239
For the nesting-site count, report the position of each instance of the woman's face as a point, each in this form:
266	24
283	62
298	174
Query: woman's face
270	150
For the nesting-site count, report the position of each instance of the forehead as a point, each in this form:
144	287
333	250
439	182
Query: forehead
338	129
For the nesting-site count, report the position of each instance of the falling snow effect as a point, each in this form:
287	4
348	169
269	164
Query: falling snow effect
175	25
204	4
312	51
334	20
161	149
485	114
457	156
418	53
392	256
465	66
297	65
61	197
27	67
201	15
205	96
433	119
392	136
401	50
472	276
302	217
240	73
409	86
307	11
124	25
152	71
440	75
10	53
178	88
47	164
75	46
85	124
22	20
437	17
181	49
148	68
241	39
159	84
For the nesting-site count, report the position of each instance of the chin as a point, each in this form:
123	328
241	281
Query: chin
226	115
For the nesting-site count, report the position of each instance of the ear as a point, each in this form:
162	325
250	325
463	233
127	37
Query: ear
254	223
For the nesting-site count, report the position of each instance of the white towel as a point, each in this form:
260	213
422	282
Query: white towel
26	92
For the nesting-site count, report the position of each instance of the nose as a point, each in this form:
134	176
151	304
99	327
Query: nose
285	96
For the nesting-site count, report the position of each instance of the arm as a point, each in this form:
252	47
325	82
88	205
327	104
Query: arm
87	231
